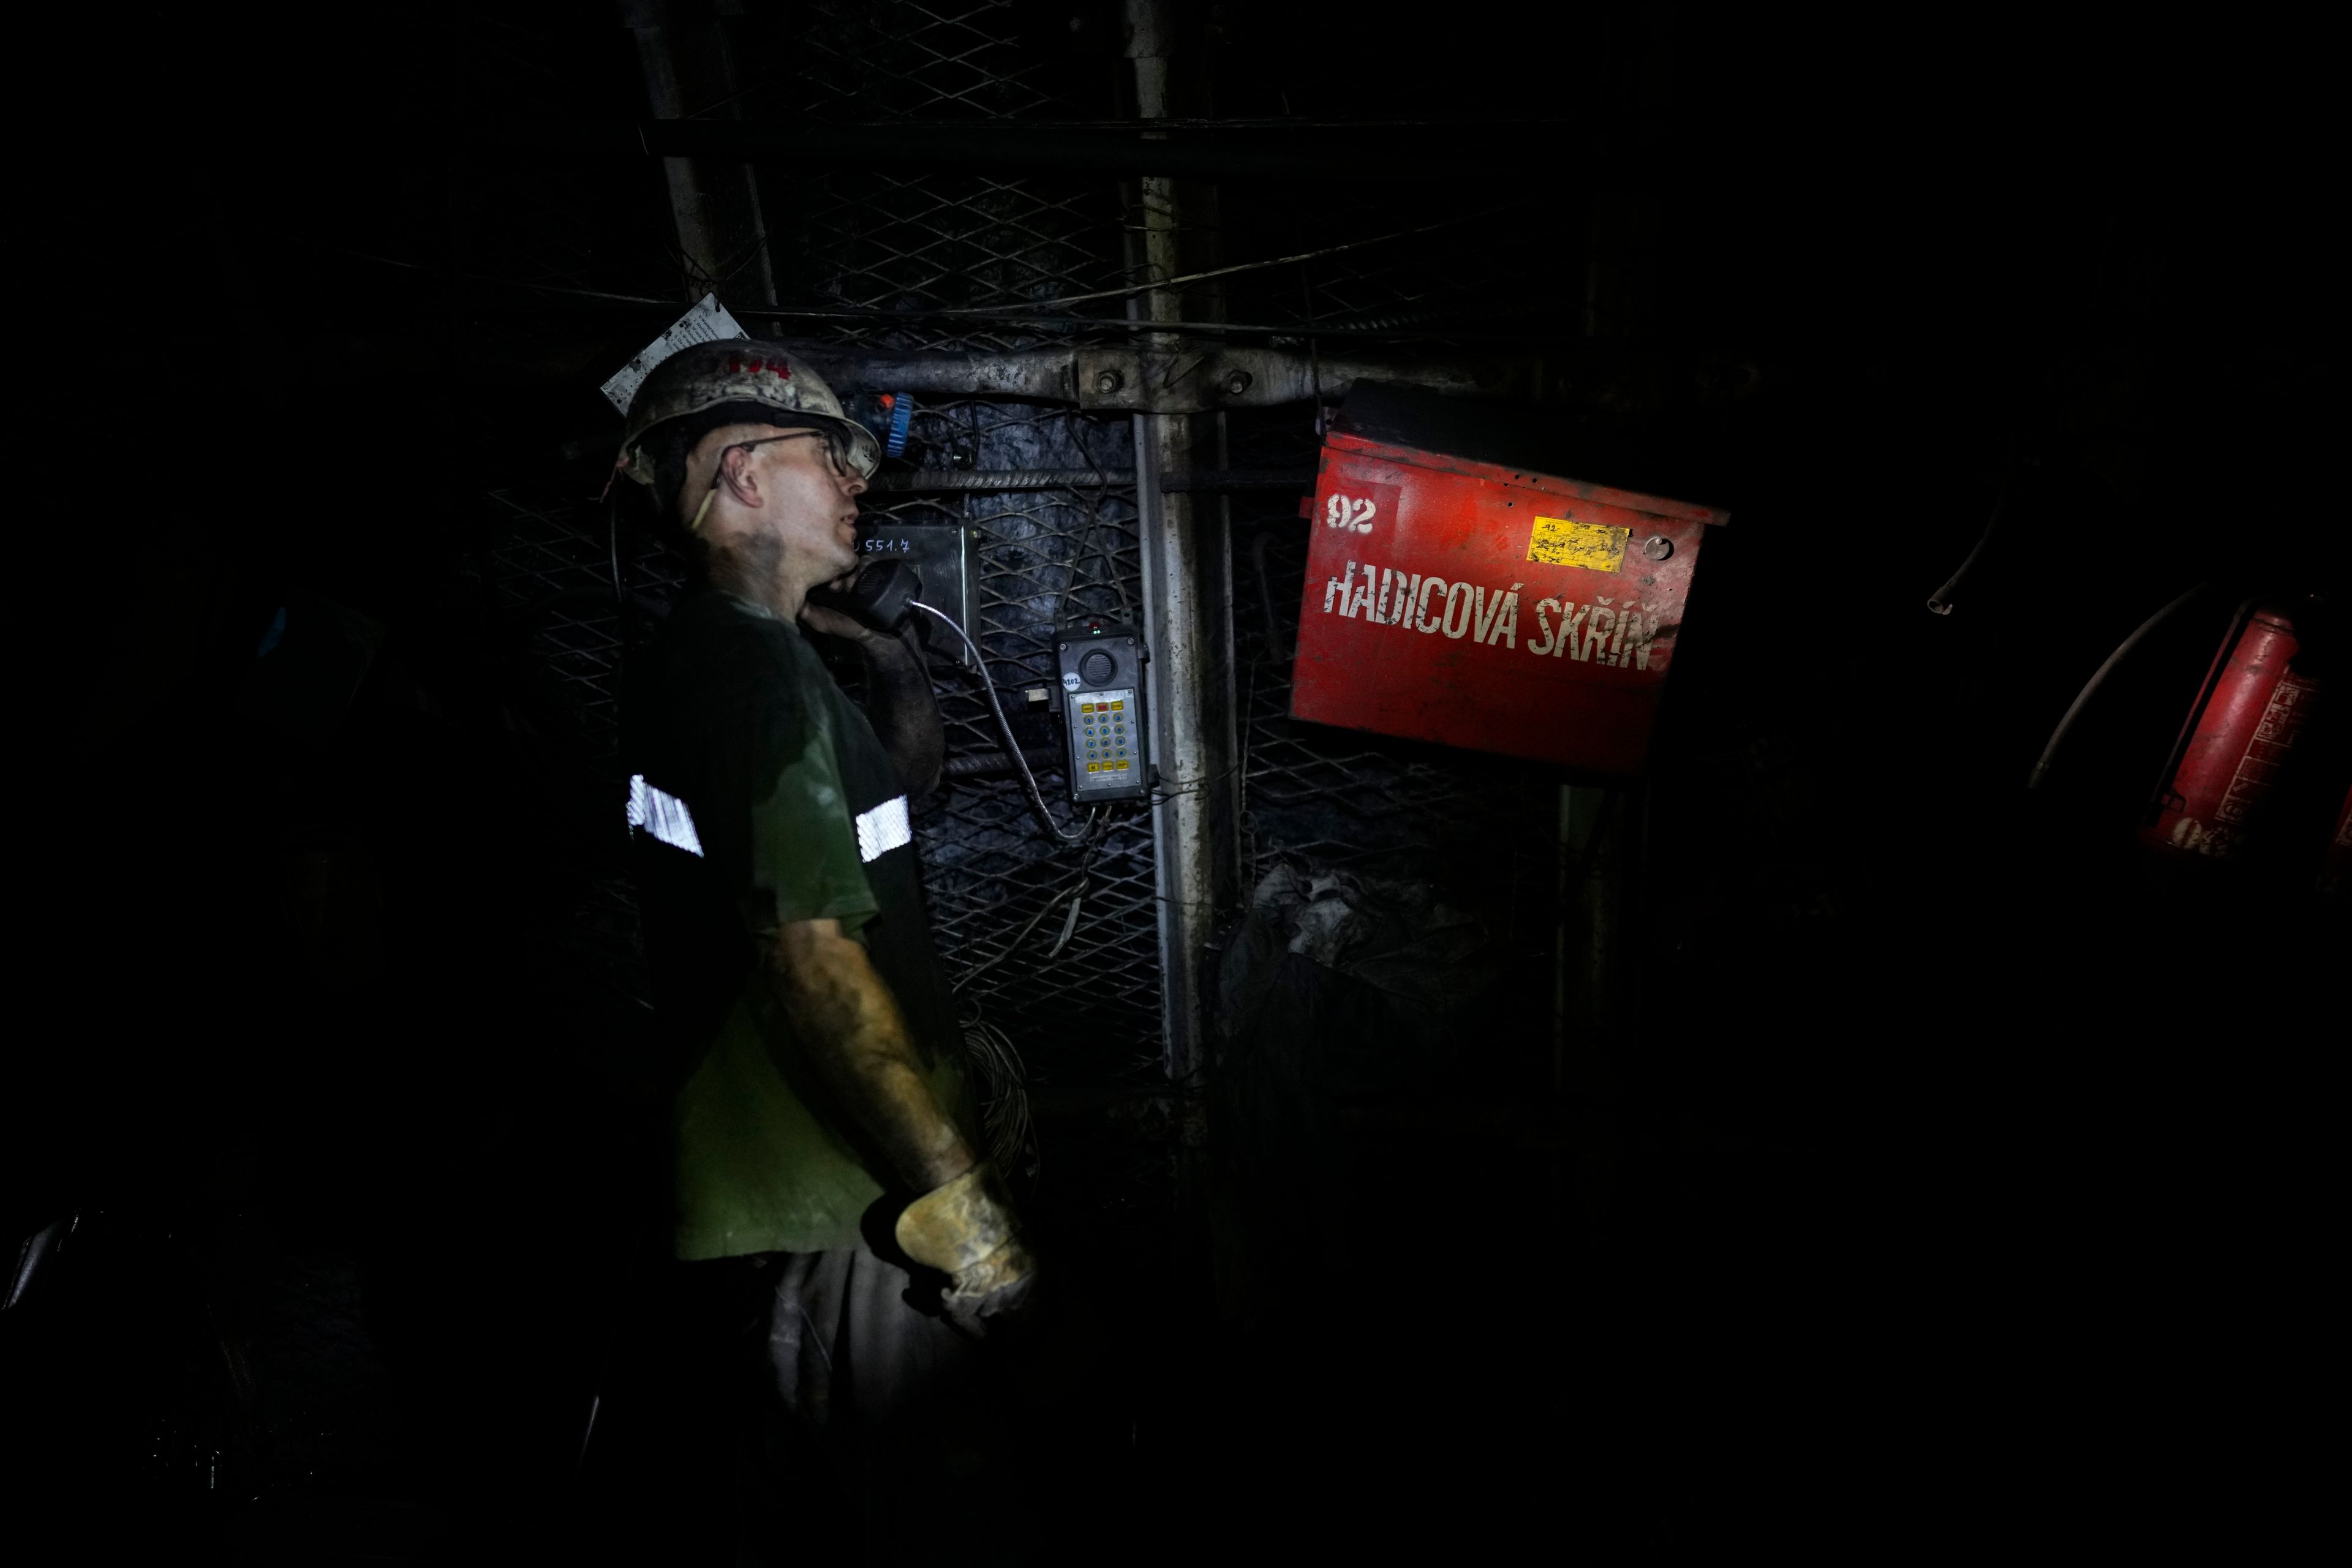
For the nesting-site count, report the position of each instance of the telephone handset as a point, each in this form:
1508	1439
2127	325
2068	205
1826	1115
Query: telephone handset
883	597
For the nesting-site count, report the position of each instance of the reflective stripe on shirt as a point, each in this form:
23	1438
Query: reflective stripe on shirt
883	829
664	816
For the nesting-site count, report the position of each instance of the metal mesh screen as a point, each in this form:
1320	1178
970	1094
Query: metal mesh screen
880	242
876	59
870	258
548	561
1080	997
523	218
1482	830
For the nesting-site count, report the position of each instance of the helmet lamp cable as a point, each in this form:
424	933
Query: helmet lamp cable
613	555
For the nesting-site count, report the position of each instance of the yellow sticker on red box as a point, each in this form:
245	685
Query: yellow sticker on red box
1564	541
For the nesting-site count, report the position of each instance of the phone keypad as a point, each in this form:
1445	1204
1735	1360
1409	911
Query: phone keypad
1103	741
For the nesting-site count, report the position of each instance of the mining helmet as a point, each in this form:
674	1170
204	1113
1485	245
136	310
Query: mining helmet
739	381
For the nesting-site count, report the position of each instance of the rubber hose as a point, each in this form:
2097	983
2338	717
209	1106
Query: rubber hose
2098	678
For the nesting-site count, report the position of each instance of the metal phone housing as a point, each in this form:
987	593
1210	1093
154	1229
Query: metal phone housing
1107	719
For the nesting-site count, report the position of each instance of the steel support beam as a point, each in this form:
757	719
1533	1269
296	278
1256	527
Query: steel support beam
1592	995
714	197
1188	611
1162	377
1215	481
1188	614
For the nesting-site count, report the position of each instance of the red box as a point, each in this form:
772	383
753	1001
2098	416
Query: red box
1488	608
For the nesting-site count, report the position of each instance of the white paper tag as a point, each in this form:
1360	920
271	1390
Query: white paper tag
707	323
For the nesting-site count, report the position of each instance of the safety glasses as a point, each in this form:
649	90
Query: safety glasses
833	460
831	450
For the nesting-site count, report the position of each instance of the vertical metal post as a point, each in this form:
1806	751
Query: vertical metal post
713	209
1601	828
1593	982
1188	624
1187	584
1633	62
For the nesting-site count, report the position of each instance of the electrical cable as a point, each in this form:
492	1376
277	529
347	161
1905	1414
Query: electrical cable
1133	290
1004	1100
1939	602
1162	794
1011	744
1109	551
2098	678
1071	584
1069	927
612	548
1078	556
1075	888
1078	887
1030	317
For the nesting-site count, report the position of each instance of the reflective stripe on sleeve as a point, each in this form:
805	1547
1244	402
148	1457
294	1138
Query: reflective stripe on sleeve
883	829
662	814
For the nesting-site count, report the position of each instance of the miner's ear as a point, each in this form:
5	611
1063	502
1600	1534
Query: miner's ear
740	474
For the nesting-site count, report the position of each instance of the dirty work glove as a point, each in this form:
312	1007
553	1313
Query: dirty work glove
966	1230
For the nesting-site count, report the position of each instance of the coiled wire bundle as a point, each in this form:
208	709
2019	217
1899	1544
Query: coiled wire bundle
1004	1100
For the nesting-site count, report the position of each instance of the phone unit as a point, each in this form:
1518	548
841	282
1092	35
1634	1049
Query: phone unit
1107	719
882	597
941	555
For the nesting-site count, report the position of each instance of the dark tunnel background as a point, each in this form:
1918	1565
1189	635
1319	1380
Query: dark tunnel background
1938	1173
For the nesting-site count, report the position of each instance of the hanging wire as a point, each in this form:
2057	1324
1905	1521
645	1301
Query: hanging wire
1036	313
2099	678
1108	552
613	555
1075	889
1134	290
1011	744
1941	601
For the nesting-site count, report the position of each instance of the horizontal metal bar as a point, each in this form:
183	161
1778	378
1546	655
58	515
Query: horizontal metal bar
981	764
1595	376
942	480
925	481
1464	329
1218	481
1132	380
1390	157
1260	126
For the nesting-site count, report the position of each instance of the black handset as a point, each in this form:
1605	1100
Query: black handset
883	597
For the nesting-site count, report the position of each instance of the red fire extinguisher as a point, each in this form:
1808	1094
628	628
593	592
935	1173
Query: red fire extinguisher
2244	739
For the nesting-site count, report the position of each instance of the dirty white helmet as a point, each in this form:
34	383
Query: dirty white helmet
737	381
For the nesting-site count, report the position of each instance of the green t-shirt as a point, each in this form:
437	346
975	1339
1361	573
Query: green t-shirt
759	797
